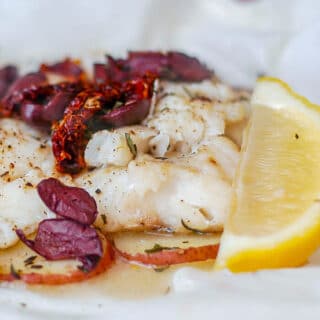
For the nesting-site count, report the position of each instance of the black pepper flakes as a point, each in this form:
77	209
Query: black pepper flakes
14	272
29	260
4	174
36	266
132	147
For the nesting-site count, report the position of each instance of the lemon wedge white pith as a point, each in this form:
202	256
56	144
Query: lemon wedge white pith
275	216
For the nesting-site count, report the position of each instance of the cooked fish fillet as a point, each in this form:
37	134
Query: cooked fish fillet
25	159
184	164
174	170
153	194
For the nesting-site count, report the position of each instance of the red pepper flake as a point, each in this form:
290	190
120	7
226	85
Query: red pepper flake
14	273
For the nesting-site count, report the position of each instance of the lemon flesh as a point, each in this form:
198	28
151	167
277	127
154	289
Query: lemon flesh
274	219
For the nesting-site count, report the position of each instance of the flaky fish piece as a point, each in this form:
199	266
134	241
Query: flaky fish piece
173	172
178	175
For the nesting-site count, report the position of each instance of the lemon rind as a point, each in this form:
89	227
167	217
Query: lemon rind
290	247
292	94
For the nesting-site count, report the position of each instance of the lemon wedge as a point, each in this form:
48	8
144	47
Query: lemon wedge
274	220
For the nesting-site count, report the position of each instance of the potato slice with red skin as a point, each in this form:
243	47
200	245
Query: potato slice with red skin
51	278
169	257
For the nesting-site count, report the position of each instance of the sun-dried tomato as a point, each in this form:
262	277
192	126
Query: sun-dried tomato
70	135
94	109
120	95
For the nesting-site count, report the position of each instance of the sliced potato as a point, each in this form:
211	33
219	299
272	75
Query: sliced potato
164	249
21	263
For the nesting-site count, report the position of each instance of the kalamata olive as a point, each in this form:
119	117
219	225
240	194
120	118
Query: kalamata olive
59	239
8	74
69	202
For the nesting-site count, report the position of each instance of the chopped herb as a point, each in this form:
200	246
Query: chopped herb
104	218
296	136
131	145
185	241
83	269
14	273
87	134
187	91
118	104
161	269
161	158
168	147
98	191
4	174
157	247
36	266
29	260
164	95
192	229
201	98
